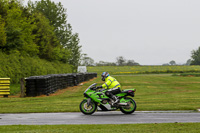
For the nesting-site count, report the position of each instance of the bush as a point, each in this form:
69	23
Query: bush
190	74
16	67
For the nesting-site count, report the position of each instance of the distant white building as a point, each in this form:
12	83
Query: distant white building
82	69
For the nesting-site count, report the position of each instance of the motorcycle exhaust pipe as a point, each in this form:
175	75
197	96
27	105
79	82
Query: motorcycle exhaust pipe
123	104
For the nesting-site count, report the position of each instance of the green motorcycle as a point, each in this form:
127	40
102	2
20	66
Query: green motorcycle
97	100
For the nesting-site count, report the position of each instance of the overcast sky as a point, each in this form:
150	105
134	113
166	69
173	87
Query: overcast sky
150	32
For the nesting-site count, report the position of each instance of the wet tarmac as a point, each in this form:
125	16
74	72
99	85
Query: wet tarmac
114	117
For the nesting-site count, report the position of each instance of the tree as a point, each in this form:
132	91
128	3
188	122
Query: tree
87	61
188	62
103	63
56	14
132	63
17	29
75	50
121	60
2	33
195	57
172	62
49	46
166	64
4	6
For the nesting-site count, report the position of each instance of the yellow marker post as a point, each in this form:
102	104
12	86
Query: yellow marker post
5	86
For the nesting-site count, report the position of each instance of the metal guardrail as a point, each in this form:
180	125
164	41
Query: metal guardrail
5	87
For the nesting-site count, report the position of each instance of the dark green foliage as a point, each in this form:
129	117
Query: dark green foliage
69	43
74	50
195	57
29	39
45	37
55	13
16	67
2	33
190	74
18	30
41	29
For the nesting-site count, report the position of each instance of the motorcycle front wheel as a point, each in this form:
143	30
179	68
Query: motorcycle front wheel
87	109
130	108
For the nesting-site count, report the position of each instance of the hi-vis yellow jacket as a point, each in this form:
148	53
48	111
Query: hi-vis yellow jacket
110	83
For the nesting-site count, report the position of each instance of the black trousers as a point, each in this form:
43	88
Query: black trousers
112	92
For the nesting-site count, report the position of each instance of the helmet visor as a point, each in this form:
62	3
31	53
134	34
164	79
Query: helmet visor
102	78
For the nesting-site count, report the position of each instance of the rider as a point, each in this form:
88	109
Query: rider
112	85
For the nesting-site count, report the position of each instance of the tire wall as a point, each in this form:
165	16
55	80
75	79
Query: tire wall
47	84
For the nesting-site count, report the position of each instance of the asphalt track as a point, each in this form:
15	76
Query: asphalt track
114	117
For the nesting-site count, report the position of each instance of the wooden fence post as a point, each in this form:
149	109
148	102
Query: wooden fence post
22	87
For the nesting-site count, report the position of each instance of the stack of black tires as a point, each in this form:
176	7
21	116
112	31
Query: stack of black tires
47	84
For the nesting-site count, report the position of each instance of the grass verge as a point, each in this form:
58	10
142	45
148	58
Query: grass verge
154	92
123	128
128	70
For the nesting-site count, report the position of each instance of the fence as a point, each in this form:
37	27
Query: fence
5	86
45	85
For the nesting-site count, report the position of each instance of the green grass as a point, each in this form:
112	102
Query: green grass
14	89
154	92
124	70
123	128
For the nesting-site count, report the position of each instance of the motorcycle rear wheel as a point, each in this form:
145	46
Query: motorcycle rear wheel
87	110
129	109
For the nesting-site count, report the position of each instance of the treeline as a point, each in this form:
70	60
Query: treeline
38	31
173	63
120	61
